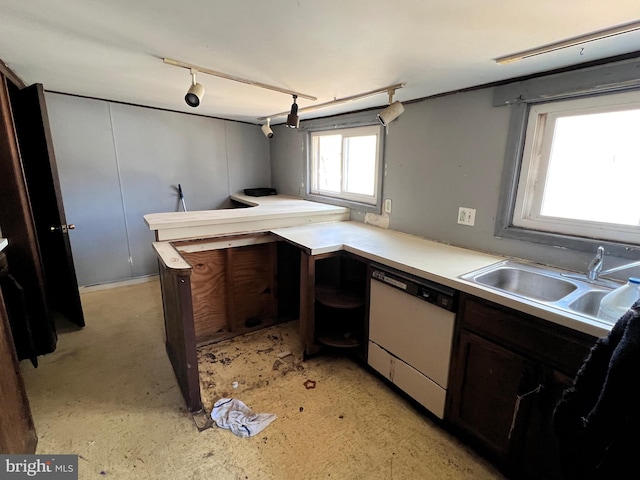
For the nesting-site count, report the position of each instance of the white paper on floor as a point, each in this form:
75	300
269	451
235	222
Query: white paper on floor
233	414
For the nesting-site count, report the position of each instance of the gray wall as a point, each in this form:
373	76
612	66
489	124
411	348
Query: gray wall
441	154
119	162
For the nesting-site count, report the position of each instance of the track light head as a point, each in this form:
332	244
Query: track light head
389	114
195	93
293	121
266	129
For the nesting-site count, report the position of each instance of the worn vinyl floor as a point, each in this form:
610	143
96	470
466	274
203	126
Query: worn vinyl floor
109	395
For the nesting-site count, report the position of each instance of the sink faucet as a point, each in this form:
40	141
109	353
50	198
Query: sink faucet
595	266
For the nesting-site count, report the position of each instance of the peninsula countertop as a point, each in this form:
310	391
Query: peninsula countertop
319	228
260	214
418	256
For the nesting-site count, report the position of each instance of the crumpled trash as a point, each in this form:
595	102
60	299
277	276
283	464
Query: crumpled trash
233	414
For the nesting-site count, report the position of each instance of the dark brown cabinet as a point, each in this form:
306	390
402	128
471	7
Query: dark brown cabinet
508	372
333	293
486	403
17	432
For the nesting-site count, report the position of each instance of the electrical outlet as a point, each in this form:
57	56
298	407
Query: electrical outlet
387	205
467	216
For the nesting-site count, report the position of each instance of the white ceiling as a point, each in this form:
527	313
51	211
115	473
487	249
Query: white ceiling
329	49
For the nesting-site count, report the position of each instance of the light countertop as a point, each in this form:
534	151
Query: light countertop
263	213
426	259
317	228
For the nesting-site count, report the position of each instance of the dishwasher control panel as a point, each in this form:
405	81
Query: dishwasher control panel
428	291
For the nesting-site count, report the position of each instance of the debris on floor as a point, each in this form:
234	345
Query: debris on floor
309	384
234	415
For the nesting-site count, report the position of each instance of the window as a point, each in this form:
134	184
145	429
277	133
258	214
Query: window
581	167
344	165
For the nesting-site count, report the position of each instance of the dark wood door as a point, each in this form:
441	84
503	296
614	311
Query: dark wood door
43	186
541	450
487	384
23	253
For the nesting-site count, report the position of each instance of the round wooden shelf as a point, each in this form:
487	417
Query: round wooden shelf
338	339
335	298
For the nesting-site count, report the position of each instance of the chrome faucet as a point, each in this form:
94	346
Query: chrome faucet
595	266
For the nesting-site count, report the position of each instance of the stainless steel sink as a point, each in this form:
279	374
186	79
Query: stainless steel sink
548	286
526	283
588	303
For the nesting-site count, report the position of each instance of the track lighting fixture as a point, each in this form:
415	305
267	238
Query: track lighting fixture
266	129
339	101
293	121
393	111
195	93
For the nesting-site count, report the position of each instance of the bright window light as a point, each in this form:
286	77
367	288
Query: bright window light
345	163
580	168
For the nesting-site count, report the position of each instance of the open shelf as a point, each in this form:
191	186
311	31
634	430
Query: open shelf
333	297
338	339
340	302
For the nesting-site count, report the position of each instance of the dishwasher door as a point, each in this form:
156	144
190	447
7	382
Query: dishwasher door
413	330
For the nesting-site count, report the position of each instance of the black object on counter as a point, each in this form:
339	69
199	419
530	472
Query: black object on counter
260	192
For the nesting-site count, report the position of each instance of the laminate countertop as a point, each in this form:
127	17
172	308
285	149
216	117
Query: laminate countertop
427	259
318	228
260	214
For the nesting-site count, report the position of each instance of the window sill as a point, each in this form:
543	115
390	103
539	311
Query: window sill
583	244
362	207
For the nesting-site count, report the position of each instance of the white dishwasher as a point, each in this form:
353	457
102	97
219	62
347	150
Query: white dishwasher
411	324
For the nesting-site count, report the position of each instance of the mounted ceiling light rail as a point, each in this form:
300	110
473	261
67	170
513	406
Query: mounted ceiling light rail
208	71
390	90
570	42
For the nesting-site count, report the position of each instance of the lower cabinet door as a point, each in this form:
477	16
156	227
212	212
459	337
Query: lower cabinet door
486	386
541	450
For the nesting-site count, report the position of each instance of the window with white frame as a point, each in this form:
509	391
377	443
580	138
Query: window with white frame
581	168
345	164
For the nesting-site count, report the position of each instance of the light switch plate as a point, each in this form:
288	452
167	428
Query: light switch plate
467	216
387	205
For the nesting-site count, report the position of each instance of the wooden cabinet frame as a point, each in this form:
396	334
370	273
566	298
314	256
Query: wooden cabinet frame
308	283
192	314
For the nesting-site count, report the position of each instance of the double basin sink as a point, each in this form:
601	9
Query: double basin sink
552	288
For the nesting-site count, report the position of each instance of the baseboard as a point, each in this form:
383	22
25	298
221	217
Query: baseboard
122	283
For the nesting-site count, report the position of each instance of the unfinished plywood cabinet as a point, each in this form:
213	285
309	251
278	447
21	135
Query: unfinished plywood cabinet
232	289
214	289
